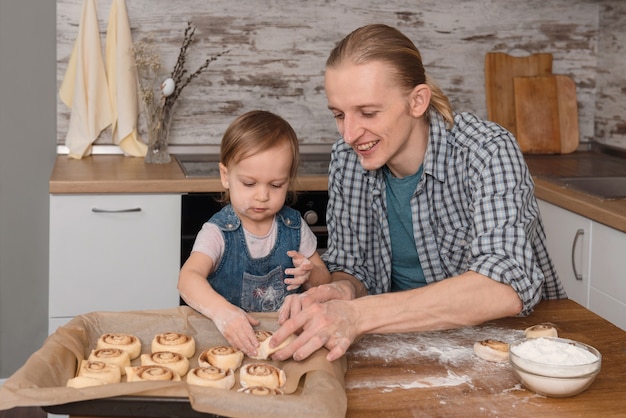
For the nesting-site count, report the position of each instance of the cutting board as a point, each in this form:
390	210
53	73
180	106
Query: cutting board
546	114
500	69
568	113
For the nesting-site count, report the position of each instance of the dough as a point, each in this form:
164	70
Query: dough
147	373
176	362
221	356
126	342
541	330
212	377
108	373
115	356
260	374
79	382
492	350
261	390
264	351
175	342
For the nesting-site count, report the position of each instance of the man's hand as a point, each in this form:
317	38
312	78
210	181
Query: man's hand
331	324
295	303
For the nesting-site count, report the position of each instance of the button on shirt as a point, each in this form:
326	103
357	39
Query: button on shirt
474	209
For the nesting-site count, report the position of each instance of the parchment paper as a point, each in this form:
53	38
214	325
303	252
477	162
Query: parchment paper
314	387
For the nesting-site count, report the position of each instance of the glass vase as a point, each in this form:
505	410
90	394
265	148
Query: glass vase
158	135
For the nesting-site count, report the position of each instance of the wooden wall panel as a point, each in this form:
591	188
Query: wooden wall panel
278	50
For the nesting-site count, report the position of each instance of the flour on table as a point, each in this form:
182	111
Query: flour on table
429	359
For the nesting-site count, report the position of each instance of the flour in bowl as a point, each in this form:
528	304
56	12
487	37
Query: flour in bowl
544	350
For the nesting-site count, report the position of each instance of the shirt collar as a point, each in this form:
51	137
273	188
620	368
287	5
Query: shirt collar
437	148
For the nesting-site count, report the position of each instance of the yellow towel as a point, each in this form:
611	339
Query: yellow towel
84	87
122	77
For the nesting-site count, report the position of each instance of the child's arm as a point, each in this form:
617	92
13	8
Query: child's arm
308	272
234	324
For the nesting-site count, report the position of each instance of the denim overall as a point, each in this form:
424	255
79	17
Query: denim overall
255	284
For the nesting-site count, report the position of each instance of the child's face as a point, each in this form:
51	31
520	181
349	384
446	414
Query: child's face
258	186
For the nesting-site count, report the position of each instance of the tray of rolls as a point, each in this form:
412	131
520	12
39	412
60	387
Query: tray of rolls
179	354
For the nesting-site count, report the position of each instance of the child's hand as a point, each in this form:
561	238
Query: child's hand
236	326
300	273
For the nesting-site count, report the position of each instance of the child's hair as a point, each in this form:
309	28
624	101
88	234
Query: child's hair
257	131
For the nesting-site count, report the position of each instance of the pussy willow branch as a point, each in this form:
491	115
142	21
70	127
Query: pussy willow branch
148	65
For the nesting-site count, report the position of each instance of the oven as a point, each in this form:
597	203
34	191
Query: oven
197	208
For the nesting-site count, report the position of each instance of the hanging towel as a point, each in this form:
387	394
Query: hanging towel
84	87
122	77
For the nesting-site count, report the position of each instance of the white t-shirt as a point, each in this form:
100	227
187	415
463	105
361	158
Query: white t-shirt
210	241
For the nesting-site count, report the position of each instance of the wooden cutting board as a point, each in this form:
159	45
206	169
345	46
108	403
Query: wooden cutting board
546	113
500	69
537	114
568	114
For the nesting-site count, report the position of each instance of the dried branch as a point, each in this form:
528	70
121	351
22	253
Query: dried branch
148	65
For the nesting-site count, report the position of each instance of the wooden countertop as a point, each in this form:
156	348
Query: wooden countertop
119	174
435	374
546	170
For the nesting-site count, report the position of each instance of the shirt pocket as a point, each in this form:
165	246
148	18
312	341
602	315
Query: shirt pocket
454	250
263	293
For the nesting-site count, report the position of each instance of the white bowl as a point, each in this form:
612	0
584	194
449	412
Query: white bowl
548	377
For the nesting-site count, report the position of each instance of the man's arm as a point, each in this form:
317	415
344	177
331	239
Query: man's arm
467	299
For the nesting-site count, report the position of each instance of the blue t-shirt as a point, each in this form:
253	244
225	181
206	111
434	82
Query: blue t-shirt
406	270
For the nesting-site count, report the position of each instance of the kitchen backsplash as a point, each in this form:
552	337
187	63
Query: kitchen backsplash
278	50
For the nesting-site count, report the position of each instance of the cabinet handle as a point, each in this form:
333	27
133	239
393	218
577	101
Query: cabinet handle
579	233
97	210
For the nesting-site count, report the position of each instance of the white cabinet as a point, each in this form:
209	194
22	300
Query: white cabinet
568	237
591	261
112	253
607	295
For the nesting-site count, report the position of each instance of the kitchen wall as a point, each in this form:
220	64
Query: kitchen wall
276	63
278	52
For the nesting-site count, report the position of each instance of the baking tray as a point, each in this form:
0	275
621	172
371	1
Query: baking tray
315	387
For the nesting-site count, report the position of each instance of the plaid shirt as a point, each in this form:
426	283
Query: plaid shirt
473	209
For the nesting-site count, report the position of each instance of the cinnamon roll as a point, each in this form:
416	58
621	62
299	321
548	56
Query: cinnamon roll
175	361
541	330
264	351
79	382
115	356
150	373
261	391
212	377
126	342
492	350
108	373
260	374
222	356
175	342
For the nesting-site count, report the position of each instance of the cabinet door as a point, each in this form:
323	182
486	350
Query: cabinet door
568	237
607	296
113	253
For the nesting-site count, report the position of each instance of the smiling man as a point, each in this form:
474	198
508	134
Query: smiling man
432	218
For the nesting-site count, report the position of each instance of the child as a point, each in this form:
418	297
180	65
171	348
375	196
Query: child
242	255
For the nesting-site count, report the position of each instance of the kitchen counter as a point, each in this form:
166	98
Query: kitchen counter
398	382
547	169
437	374
119	174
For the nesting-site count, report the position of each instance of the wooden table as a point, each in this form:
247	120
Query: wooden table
436	374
